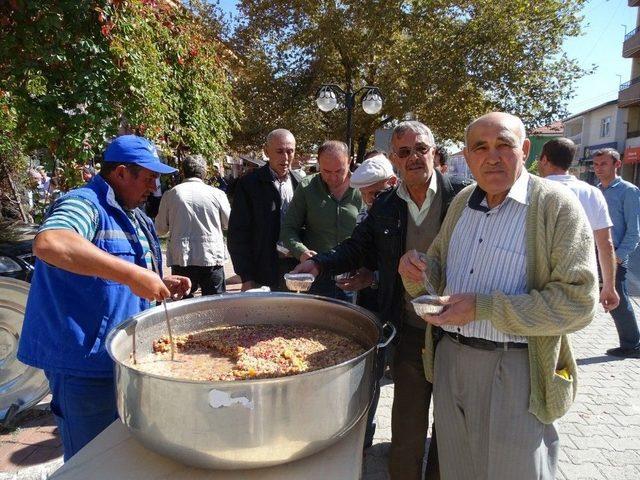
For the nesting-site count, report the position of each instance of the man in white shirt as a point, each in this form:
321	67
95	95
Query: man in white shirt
194	214
554	163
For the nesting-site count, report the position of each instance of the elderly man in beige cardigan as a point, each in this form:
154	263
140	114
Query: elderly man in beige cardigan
514	262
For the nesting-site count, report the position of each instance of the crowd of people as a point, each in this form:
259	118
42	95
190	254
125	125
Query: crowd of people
512	257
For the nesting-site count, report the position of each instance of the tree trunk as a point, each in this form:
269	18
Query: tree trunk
23	214
363	140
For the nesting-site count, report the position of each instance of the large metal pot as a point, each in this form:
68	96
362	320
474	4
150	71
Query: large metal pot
249	423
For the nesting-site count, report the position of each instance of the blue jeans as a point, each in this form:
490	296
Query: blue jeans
624	316
83	407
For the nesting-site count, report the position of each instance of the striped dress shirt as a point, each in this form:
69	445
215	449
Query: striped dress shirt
488	253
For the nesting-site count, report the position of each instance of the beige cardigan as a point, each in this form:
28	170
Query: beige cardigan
562	298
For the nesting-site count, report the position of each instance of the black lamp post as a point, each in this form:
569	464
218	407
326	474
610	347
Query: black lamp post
327	100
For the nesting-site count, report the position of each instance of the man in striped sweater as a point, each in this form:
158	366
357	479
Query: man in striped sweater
515	263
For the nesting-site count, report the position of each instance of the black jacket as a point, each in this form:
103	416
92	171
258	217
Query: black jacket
254	227
383	234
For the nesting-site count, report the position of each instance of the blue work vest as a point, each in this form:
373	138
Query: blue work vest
68	315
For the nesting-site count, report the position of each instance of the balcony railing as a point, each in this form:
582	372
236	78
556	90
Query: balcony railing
629	93
633	134
628	84
631	44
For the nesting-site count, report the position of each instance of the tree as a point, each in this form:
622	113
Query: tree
12	160
78	70
441	61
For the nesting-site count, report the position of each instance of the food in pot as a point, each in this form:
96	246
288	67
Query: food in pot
249	352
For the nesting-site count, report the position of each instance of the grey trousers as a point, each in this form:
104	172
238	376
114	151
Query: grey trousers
485	431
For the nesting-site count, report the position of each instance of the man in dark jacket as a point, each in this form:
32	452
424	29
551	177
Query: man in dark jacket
407	217
260	200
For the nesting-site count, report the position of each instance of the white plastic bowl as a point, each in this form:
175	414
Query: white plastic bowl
299	282
427	305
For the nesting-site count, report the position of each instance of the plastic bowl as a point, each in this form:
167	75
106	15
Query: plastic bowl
427	305
299	282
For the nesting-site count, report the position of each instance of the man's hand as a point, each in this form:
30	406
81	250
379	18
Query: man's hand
147	284
411	266
248	285
362	279
609	298
459	310
307	255
308	266
178	285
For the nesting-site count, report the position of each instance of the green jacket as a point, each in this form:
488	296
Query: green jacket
317	221
562	298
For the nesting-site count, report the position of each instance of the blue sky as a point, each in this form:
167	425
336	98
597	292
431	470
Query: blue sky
601	44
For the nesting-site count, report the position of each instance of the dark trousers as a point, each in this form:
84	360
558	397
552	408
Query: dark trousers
378	373
83	407
624	316
285	265
410	411
325	286
209	279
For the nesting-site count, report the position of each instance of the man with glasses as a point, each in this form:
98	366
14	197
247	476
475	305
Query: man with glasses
406	217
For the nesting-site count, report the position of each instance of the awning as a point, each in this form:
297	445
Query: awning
632	155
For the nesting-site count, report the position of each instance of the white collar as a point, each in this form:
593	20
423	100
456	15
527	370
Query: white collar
520	188
404	193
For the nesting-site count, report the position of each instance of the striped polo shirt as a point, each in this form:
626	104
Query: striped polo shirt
81	216
488	253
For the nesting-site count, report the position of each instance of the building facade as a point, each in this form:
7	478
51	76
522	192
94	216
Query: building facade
629	100
604	126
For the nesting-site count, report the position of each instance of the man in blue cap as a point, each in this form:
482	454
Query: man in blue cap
98	262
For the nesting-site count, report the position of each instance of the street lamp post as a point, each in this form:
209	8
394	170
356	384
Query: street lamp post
327	100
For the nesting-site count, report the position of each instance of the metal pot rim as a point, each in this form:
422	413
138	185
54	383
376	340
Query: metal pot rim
289	378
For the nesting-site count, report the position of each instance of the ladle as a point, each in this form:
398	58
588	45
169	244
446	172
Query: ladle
166	315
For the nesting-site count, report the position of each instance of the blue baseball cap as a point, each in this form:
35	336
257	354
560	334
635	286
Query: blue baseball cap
137	150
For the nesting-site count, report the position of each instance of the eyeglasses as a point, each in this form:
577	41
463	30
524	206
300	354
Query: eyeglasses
405	152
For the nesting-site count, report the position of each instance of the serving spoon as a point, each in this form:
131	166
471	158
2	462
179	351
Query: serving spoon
166	315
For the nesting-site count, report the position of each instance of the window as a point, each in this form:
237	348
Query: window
605	126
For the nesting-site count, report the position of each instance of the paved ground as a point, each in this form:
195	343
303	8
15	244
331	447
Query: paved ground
600	435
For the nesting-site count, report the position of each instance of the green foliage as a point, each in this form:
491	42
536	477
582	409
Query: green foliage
533	168
441	61
80	70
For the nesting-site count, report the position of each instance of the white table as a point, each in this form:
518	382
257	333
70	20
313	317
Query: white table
115	455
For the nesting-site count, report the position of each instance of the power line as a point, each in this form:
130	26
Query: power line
602	32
